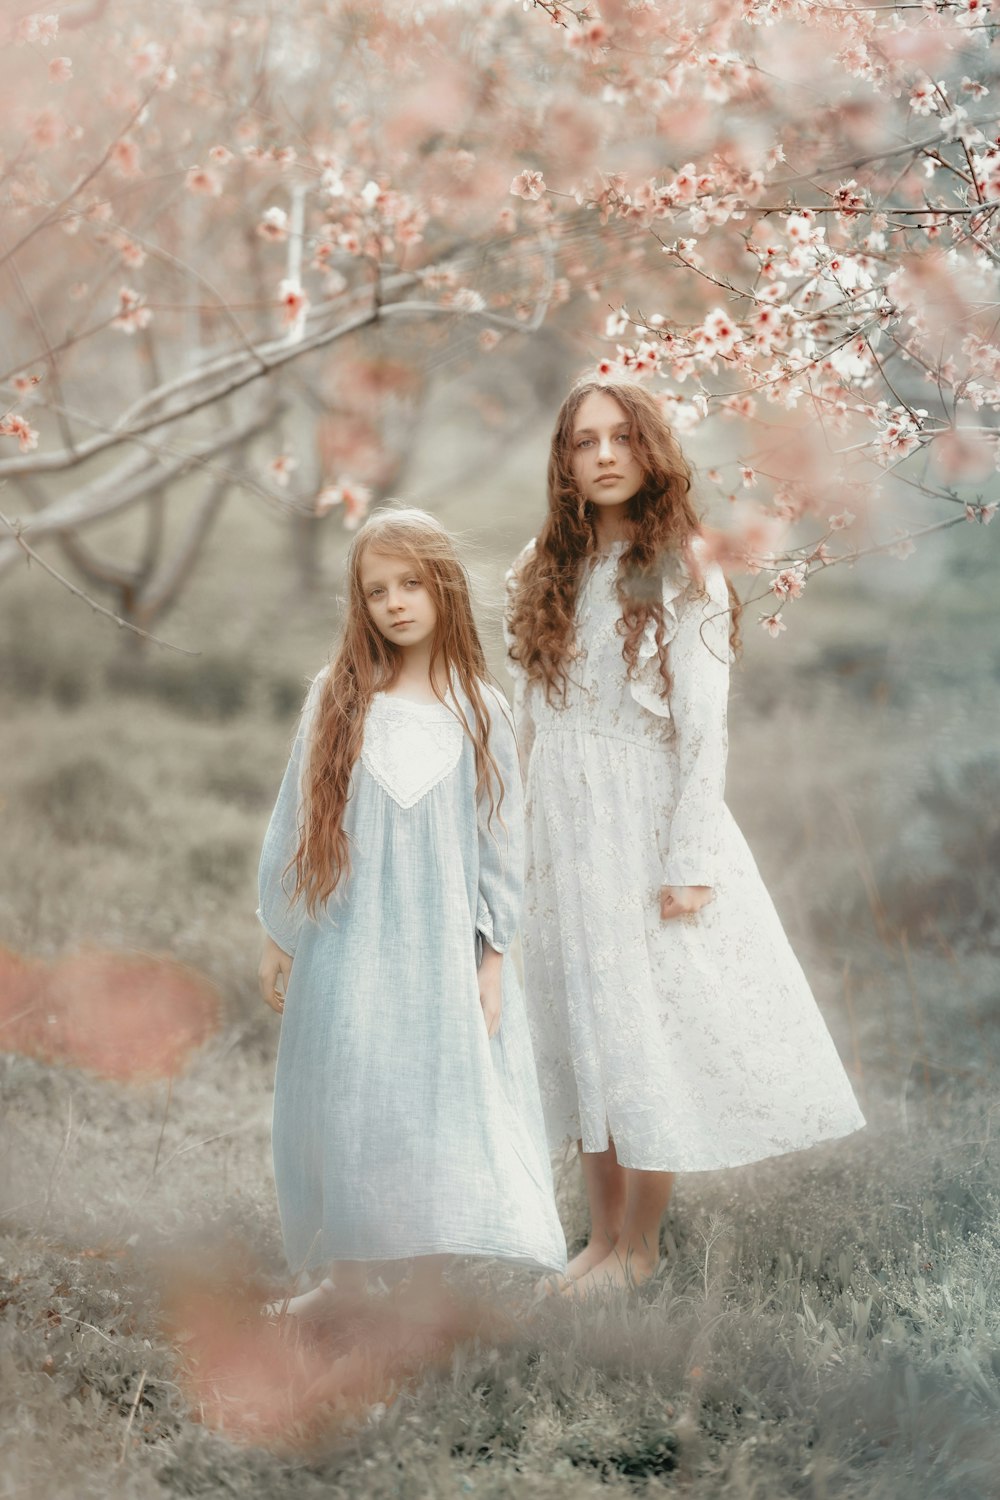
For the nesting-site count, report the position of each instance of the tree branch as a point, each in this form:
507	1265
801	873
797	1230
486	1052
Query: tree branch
33	557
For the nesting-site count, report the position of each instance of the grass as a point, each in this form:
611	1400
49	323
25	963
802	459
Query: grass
825	1325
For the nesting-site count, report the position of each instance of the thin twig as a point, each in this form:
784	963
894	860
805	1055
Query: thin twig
15	530
131	1416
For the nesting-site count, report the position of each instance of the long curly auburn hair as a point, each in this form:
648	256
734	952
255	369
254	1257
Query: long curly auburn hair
663	525
365	663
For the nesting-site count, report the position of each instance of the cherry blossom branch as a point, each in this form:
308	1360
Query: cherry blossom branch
266	358
88	177
125	485
15	529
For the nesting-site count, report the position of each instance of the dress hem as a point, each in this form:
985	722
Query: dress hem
686	1166
438	1247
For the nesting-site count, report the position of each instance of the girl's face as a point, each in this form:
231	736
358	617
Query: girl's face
397	599
606	471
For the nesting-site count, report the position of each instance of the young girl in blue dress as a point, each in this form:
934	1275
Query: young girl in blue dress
673	1026
407	1121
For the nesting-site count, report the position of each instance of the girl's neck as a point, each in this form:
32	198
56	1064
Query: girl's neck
610	526
414	678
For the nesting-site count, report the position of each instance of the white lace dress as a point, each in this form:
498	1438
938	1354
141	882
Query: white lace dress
694	1043
400	1128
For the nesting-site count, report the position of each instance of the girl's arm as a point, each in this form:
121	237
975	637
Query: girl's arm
500	860
699	665
278	915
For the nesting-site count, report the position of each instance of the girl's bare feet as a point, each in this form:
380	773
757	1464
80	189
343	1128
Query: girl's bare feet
345	1285
624	1268
593	1254
312	1304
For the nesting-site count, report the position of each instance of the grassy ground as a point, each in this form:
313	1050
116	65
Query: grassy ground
824	1325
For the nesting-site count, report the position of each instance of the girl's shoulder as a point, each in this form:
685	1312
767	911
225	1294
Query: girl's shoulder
699	572
310	706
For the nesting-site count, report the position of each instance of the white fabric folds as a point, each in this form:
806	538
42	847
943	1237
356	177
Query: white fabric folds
400	1128
694	1043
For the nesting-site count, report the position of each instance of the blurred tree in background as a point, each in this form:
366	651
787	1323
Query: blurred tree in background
241	244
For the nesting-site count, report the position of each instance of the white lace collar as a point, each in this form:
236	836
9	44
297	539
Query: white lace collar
410	747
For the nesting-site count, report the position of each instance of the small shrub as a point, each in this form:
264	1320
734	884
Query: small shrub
240	786
286	695
205	687
223	864
85	801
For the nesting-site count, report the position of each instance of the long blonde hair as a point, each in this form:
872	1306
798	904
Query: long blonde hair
365	663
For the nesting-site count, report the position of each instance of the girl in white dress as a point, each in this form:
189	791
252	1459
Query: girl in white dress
407	1121
673	1027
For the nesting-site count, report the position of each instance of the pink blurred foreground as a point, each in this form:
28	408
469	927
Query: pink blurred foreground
121	1015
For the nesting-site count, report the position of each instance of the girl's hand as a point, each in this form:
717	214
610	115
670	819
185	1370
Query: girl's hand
490	993
683	900
275	964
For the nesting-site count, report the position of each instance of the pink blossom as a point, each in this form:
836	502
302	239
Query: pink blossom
899	435
923	98
205	183
220	155
132	312
749	477
903	547
132	255
280	468
685	185
720	332
842	521
975	87
355	498
506	221
148	59
47	128
773	624
25	383
528	185
37	28
294	302
60	70
488	340
591	38
16	426
466	299
273	225
789	583
124	156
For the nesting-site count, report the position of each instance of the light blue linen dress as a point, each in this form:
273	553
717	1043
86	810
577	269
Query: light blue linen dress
400	1128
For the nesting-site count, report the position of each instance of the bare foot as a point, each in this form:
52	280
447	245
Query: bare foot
619	1270
312	1304
592	1255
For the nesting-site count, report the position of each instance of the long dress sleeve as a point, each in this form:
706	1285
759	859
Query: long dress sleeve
699	665
501	838
280	917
